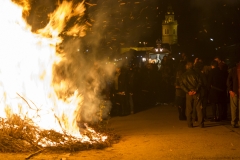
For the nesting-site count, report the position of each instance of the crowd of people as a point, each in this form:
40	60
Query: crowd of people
189	85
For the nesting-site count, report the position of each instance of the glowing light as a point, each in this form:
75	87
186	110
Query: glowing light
26	68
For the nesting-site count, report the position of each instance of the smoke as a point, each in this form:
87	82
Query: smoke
88	76
122	23
77	70
85	73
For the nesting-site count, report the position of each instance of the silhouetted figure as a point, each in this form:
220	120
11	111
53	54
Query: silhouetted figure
133	86
148	79
233	85
199	68
164	83
217	88
224	68
191	84
180	97
120	92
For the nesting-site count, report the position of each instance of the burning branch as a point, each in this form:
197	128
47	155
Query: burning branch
34	154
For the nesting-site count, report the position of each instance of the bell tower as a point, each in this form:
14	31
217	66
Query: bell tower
169	28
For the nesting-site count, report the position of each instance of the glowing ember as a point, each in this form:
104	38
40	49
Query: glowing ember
26	69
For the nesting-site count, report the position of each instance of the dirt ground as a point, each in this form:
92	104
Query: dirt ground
157	134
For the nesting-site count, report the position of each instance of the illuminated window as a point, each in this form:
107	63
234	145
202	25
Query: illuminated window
166	31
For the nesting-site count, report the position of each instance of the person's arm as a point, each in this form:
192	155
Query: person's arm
200	83
183	85
209	80
230	83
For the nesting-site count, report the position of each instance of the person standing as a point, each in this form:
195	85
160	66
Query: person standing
183	61
180	96
233	86
132	88
217	88
120	91
165	82
224	69
191	83
199	67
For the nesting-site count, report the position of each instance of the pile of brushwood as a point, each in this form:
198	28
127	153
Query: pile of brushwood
18	135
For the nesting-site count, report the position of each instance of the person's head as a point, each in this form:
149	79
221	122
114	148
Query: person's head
183	54
118	69
189	65
164	58
149	66
199	65
196	60
183	57
218	59
214	64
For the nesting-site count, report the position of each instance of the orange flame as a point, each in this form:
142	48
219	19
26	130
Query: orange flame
26	67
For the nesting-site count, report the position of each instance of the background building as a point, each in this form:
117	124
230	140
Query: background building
169	28
154	54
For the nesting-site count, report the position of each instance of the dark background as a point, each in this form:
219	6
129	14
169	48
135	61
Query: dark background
124	23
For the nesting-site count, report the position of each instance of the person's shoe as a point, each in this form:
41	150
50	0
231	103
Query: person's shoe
234	126
202	125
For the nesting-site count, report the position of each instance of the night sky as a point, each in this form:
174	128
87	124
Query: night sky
123	23
127	22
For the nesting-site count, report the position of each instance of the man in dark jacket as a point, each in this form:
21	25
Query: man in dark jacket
180	96
233	85
199	67
224	69
120	91
191	83
217	87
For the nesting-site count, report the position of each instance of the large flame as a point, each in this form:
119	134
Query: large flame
26	67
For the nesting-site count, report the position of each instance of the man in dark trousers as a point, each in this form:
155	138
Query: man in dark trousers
120	92
233	85
217	87
191	83
224	69
180	96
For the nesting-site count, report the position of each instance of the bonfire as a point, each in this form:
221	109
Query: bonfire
48	100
